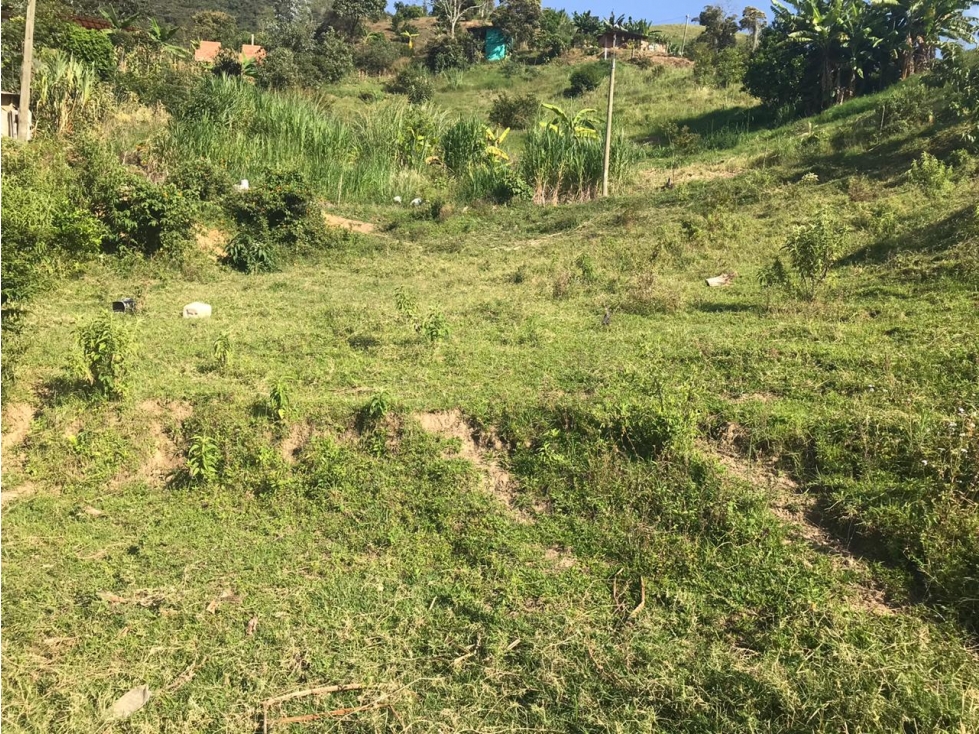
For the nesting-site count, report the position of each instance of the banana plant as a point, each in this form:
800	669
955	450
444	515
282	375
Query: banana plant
116	21
410	38
164	36
494	144
580	125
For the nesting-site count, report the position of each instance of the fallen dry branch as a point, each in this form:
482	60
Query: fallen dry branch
642	599
318	691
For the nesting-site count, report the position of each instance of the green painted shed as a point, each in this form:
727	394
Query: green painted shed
495	48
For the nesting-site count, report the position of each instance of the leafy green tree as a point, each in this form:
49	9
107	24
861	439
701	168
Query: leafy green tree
333	57
518	20
450	12
349	17
720	30
555	34
840	34
753	20
213	25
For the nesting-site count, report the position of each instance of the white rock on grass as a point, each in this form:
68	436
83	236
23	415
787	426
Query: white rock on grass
197	310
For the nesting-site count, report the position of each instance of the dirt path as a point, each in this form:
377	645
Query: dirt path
17	418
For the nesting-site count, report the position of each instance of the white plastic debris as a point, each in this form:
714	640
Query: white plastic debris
397	199
197	310
416	202
243	186
721	280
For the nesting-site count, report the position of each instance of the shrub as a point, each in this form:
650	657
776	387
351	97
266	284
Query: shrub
203	456
585	79
500	184
908	107
376	57
414	84
105	351
280	400
446	53
719	69
514	111
278	70
279	217
464	145
202	179
434	327
930	174
89	46
250	254
333	58
811	251
147	217
227	63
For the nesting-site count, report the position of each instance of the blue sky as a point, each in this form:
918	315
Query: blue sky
655	12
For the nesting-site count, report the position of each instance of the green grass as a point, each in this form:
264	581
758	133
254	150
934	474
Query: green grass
378	554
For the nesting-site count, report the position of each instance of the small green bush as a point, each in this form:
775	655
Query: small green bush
91	46
376	57
249	253
280	400
203	457
811	251
446	53
414	84
106	352
278	217
139	215
930	175
202	179
586	78
227	63
278	70
515	111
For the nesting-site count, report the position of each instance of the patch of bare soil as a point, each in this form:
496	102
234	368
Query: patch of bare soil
18	418
478	448
165	459
677	62
560	559
298	437
352	224
794	507
212	242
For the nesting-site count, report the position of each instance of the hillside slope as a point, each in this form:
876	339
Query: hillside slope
519	468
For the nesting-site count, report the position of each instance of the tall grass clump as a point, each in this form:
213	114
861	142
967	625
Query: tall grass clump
564	167
249	131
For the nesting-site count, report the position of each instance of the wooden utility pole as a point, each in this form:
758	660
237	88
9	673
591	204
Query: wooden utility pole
683	43
608	124
24	110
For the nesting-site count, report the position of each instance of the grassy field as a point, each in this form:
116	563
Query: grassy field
724	510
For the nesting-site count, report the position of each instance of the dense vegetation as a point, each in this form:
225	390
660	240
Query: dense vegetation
465	433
